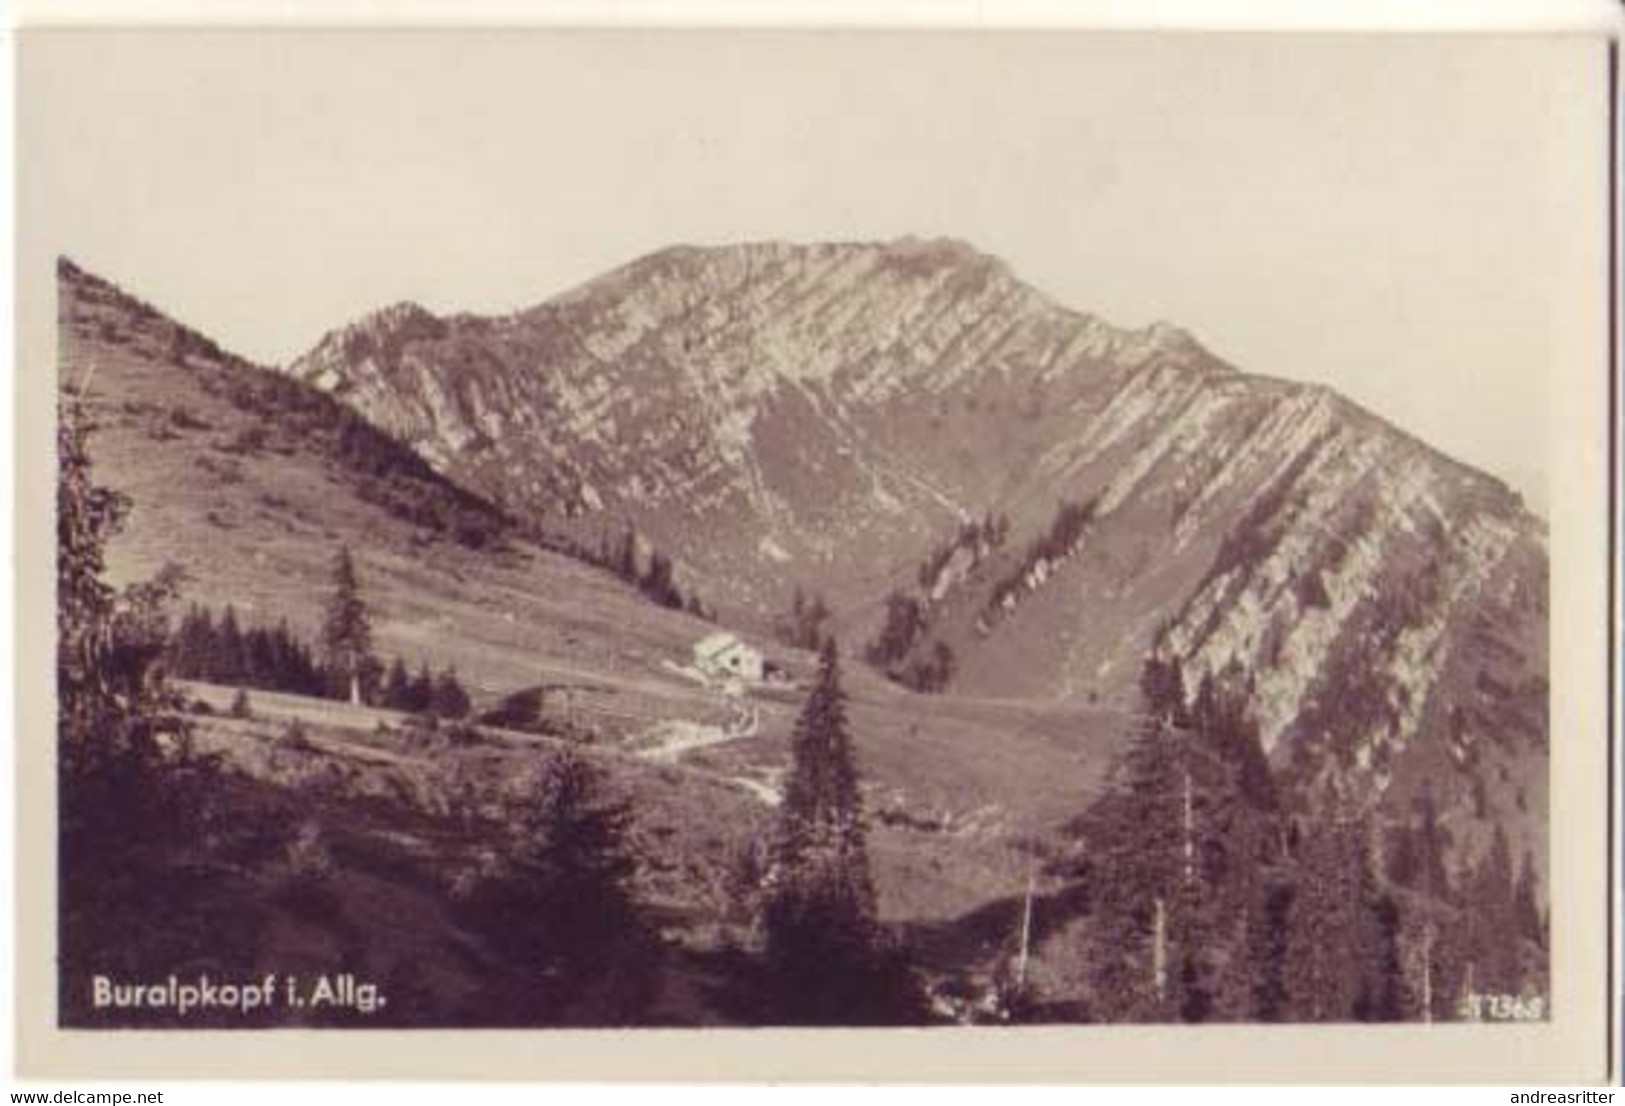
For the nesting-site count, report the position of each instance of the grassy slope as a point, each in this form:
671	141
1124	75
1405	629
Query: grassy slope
957	787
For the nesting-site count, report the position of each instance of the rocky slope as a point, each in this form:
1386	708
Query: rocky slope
826	416
250	482
767	412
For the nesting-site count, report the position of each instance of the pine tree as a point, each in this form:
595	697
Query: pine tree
1387	995
826	960
1269	944
1337	948
1490	920
131	792
561	907
1184	851
626	559
1221	716
1417	861
398	687
1433	848
227	666
804	627
193	649
449	699
290	664
1526	902
1138	864
660	583
905	622
421	697
347	632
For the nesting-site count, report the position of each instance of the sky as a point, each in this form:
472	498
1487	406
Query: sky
1410	221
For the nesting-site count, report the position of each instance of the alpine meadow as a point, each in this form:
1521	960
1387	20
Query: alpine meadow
780	634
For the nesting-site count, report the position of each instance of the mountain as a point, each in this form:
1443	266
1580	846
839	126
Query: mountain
960	465
250	482
768	413
829	416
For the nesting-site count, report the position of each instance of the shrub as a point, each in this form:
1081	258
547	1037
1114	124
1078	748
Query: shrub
520	711
182	419
248	440
294	736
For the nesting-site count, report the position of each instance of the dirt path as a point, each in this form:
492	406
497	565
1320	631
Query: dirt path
333	714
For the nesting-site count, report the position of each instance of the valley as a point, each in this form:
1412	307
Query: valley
827	418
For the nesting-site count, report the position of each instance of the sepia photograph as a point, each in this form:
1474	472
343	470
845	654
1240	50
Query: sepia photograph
627	529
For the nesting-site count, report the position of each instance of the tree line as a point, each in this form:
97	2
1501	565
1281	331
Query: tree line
1065	531
342	665
1216	893
1218	896
653	574
164	850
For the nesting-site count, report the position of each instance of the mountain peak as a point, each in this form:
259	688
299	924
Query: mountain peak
399	313
1169	340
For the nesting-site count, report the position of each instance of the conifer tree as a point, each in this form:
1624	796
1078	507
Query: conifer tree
804	627
1526	902
626	559
561	907
1136	847
193	650
398	686
1386	994
826	960
131	792
1490	920
347	632
660	583
1222	719
422	692
1433	847
905	622
229	652
449	698
1184	851
1337	955
1417	862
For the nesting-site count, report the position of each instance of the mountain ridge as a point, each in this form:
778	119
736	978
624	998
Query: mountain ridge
825	416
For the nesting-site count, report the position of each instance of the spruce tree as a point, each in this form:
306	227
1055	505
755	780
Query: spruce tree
1337	953
826	960
560	907
229	652
347	632
626	559
1526	902
449	698
1178	849
1490	920
1386	996
398	686
1138	866
421	697
193	648
660	582
1433	847
131	792
905	622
